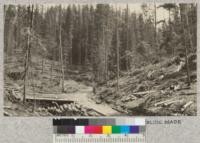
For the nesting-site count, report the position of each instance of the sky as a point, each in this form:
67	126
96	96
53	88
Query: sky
161	12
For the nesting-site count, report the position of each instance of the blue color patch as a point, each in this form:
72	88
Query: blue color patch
125	129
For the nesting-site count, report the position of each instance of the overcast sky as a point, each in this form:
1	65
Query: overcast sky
161	12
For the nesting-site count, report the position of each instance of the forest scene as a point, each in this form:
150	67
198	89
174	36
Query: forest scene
100	60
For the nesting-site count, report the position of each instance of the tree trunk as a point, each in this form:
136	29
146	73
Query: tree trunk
127	39
188	28
105	53
52	69
42	64
186	49
186	60
26	67
170	31
27	56
86	46
61	51
117	47
184	17
155	34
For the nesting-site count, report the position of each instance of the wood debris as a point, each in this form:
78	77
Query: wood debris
186	105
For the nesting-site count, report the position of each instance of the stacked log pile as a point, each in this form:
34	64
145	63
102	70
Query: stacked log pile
70	109
43	108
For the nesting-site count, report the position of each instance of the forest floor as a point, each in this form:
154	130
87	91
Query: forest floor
159	89
82	97
49	100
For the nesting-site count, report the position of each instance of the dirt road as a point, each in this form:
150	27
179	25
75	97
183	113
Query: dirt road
82	96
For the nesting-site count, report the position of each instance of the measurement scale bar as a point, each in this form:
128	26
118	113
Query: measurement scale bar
139	138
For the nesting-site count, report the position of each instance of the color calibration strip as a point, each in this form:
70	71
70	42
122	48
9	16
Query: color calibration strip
100	130
99	126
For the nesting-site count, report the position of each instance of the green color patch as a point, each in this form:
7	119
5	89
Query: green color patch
116	129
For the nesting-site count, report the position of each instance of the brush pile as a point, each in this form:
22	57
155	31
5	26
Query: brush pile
159	89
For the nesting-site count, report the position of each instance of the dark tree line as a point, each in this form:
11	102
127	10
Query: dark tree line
106	38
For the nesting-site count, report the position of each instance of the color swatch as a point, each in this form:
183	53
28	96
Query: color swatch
99	126
98	129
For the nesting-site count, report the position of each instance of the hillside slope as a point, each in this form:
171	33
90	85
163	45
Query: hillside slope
159	89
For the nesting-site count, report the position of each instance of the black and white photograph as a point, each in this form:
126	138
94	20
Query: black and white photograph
100	59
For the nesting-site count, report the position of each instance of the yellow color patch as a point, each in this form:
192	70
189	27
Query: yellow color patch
107	129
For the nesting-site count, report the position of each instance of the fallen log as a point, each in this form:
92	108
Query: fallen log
65	106
56	104
101	114
49	99
7	114
7	107
120	110
162	102
186	105
171	102
188	93
62	108
139	94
